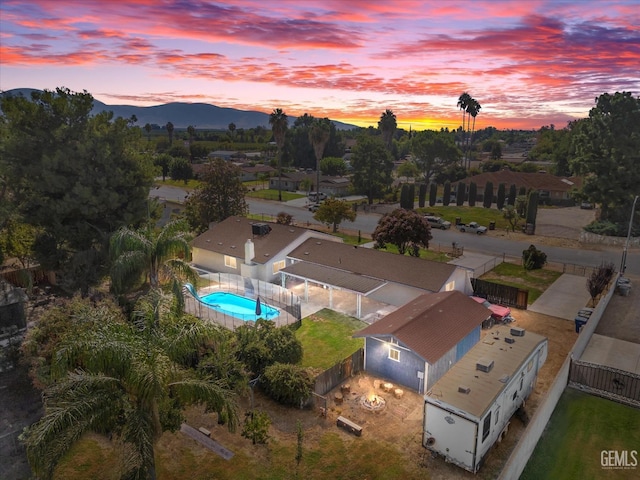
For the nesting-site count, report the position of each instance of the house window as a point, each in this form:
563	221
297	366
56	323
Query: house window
449	286
277	266
230	261
394	354
497	415
486	427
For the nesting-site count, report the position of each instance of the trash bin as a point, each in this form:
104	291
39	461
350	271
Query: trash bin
458	220
580	322
492	225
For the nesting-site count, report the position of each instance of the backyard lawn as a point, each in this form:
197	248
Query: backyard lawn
581	427
272	194
326	338
536	281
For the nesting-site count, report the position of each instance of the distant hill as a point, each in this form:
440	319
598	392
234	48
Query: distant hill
200	115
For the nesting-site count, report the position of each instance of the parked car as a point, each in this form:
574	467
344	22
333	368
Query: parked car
314	207
472	227
498	312
586	206
437	222
317	196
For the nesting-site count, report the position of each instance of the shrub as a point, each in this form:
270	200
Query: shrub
533	259
433	193
599	279
446	197
256	426
501	196
460	194
487	197
284	218
287	384
422	195
473	193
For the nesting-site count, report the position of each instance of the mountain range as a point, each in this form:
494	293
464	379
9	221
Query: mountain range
181	115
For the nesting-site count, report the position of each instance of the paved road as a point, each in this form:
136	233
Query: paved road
366	223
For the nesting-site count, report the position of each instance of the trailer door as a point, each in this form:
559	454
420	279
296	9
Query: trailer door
451	435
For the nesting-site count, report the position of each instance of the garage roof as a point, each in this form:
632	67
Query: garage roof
337	278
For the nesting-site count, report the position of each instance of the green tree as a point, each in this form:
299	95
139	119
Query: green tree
279	124
163	160
256	427
283	218
128	381
434	152
501	196
533	259
319	134
473	193
422	195
461	191
148	128
387	125
406	229
372	167
169	127
408	169
287	383
180	169
161	256
191	131
464	101
487	196
334	166
332	212
511	200
607	154
74	176
433	193
532	207
446	196
220	195
510	214
473	108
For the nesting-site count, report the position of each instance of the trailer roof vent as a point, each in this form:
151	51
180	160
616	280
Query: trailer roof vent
504	378
509	339
464	389
517	331
484	365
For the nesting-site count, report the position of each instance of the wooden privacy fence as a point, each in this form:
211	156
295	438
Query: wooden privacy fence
500	294
333	376
607	382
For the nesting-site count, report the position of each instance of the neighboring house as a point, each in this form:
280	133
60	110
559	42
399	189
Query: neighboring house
417	344
470	407
227	155
335	186
379	276
330	186
291	181
552	189
249	248
12	315
250	173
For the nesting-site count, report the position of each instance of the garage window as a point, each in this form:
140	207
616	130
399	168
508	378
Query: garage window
277	266
230	262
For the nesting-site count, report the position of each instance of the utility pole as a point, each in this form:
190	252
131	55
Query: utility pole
623	263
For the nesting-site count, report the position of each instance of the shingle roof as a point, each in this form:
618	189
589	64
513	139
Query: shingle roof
432	324
508	358
332	276
229	237
536	181
415	272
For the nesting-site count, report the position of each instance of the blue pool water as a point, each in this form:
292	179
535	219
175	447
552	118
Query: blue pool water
237	306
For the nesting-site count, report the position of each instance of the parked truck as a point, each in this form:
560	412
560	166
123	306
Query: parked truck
472	227
470	407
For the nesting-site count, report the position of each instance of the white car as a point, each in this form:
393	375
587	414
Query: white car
437	222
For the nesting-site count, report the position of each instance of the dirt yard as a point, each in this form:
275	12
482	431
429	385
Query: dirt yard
400	422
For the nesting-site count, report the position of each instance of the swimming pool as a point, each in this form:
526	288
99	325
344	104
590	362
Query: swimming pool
240	307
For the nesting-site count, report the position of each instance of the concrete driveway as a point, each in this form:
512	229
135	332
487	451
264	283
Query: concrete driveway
563	298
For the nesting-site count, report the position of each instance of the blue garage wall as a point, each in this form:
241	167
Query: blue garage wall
404	372
467	342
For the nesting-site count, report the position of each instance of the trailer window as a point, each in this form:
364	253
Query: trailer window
394	354
486	426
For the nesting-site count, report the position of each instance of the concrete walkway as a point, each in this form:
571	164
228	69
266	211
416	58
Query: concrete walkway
563	298
613	353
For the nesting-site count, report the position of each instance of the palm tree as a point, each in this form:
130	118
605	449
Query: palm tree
387	126
169	128
191	130
319	135
129	382
161	255
279	123
148	128
463	103
472	109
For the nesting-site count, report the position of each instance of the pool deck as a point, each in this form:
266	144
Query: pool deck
197	308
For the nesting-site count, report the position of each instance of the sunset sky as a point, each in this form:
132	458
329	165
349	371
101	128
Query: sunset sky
529	63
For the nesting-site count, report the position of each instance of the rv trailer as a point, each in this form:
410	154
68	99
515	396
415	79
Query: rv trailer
470	407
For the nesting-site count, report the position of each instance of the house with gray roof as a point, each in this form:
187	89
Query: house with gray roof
418	343
250	248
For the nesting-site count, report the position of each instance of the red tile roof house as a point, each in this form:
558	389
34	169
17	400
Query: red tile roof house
249	248
553	190
417	344
368	274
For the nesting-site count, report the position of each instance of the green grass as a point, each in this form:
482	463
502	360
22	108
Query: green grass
581	426
326	338
272	194
426	254
190	185
468	214
536	281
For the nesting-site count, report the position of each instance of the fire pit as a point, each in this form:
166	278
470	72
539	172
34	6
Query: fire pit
373	402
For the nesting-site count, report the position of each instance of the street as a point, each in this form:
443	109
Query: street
490	245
